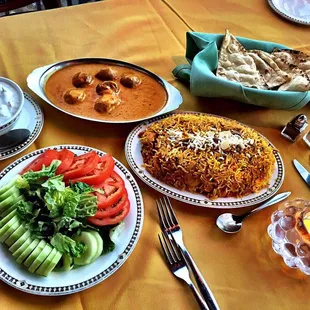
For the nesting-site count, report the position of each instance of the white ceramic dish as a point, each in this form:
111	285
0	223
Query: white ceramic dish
31	118
134	158
37	79
63	283
9	123
297	11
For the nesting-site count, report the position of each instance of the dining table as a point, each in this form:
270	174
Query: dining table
241	269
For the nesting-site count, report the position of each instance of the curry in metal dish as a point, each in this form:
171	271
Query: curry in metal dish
207	155
105	92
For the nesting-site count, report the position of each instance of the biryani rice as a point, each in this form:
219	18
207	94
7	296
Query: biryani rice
177	151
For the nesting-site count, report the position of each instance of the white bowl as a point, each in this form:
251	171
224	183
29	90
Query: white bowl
7	125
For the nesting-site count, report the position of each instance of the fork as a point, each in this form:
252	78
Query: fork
177	265
168	222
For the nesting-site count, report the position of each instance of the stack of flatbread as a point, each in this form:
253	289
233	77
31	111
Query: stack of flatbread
280	70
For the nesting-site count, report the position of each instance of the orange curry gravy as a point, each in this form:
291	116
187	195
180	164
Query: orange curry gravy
145	100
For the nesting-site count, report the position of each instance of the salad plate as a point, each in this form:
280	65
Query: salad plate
134	157
81	278
31	118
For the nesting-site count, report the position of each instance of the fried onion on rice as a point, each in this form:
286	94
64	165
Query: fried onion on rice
208	155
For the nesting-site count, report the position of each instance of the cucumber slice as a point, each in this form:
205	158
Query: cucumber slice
6	226
8	211
99	244
6	203
16	245
47	261
67	262
10	231
8	185
12	207
90	241
31	258
41	257
27	251
22	248
11	191
16	235
8	217
52	264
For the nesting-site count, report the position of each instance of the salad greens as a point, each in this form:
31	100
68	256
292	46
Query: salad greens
66	245
56	212
32	177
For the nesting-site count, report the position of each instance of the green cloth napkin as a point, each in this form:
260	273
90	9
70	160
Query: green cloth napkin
202	54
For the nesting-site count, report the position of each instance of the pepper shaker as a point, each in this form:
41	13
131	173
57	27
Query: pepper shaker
295	127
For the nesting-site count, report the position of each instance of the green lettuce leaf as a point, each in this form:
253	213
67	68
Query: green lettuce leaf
54	201
87	206
62	202
108	244
83	188
50	171
71	202
116	232
69	224
42	229
66	245
55	183
27	211
22	183
80	188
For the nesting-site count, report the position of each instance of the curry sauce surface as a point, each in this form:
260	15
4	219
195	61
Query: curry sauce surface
145	100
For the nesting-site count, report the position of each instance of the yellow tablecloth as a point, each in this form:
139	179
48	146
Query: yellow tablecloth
242	270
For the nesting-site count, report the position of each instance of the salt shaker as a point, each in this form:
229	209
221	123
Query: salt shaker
295	127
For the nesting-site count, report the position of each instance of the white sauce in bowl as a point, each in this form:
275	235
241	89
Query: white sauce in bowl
10	102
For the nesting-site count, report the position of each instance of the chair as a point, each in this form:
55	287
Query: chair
8	5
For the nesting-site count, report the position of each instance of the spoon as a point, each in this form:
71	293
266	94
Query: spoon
13	137
230	223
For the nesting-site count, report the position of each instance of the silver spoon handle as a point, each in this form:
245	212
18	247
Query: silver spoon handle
272	201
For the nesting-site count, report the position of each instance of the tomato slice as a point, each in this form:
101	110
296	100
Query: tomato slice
81	165
111	220
113	188
66	157
113	209
102	171
44	159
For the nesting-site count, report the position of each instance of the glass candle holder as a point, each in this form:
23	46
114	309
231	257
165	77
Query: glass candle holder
306	138
289	235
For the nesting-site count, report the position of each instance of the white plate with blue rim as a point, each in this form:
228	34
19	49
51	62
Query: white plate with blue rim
135	161
68	282
31	118
297	11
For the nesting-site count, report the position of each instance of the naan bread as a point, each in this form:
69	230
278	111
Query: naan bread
299	81
285	59
272	74
282	69
235	64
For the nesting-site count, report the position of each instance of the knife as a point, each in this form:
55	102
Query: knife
302	171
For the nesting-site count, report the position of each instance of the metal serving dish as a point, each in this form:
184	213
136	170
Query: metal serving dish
37	79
